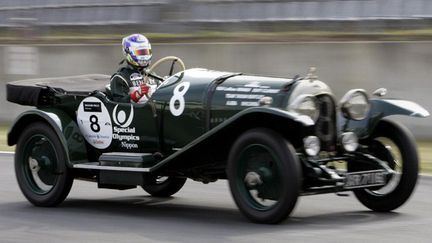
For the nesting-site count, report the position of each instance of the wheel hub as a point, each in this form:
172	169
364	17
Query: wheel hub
252	179
34	165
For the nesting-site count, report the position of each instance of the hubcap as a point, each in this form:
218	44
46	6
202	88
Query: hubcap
34	165
40	159
253	179
258	177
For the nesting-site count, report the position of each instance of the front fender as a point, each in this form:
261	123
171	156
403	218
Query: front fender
62	124
381	108
398	107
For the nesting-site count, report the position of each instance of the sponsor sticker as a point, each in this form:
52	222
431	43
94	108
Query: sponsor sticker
92	106
121	118
247	95
136	79
94	122
121	130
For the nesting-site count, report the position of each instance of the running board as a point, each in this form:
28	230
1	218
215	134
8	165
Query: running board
121	161
97	166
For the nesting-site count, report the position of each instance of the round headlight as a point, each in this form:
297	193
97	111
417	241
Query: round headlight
311	145
305	105
349	141
355	104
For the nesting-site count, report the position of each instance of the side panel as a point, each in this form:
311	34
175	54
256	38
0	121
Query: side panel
66	129
201	152
181	104
241	92
120	127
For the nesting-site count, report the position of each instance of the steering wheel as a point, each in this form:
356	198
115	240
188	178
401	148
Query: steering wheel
174	60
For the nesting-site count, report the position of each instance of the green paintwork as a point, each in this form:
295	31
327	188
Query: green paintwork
231	122
162	131
381	108
212	105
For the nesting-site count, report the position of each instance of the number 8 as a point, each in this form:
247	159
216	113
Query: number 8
178	93
94	126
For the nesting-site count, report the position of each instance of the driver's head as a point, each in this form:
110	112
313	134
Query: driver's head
137	50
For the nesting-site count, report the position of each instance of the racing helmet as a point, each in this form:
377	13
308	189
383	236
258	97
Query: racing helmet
137	50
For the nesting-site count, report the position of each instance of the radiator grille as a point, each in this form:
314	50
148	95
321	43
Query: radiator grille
325	126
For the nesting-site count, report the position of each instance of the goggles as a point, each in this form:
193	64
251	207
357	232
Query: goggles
141	52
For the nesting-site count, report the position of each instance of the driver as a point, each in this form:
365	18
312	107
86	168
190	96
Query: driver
127	84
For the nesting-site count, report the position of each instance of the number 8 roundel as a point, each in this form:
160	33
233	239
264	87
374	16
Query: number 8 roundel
94	122
177	101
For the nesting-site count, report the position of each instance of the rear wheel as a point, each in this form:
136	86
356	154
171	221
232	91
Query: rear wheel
264	175
394	144
40	166
163	186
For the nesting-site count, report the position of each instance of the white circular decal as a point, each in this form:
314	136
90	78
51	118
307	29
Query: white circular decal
177	101
120	117
94	122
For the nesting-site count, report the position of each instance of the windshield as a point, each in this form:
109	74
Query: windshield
172	80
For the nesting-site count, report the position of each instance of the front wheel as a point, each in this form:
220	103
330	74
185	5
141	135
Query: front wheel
264	175
40	166
394	144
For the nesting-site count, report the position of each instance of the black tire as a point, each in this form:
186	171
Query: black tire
264	176
163	186
40	166
403	160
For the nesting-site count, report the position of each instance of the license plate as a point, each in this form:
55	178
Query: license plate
363	179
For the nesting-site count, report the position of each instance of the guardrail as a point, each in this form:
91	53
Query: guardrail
115	12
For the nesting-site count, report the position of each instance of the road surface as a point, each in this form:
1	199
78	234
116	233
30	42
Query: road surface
201	213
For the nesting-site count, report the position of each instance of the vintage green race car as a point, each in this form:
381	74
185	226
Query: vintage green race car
274	139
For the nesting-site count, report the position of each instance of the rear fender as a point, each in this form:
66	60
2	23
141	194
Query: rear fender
381	108
62	124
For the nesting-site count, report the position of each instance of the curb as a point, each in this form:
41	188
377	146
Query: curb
6	152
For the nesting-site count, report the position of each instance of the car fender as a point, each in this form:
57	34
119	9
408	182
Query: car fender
398	107
62	124
225	133
379	109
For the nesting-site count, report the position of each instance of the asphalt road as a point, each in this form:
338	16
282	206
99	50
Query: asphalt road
201	213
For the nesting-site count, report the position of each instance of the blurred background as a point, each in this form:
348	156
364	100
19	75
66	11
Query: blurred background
353	43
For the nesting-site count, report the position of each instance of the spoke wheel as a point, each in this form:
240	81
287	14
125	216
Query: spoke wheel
264	176
40	166
394	144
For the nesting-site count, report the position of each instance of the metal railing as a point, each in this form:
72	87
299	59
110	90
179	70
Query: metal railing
115	12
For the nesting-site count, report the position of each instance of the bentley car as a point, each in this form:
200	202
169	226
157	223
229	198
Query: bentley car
273	139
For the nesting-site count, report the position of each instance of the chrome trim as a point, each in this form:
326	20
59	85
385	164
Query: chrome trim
298	100
347	97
